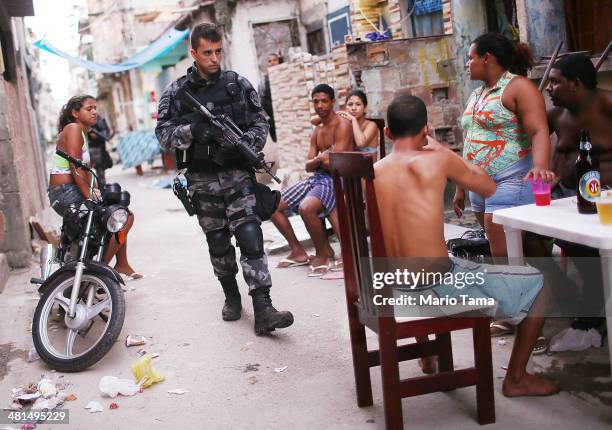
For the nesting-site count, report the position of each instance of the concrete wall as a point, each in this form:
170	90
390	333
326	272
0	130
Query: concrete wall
545	25
241	52
22	170
469	22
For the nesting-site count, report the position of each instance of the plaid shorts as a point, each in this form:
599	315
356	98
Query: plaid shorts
319	185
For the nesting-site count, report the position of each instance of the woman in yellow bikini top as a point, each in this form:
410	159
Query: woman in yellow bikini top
76	116
69	186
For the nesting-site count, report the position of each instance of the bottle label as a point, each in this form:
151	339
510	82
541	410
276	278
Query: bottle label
590	185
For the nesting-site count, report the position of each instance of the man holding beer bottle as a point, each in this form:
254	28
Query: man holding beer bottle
579	105
582	120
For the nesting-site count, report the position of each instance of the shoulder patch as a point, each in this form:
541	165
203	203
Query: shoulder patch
254	97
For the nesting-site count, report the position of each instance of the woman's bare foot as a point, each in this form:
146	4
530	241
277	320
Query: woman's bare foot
428	364
126	270
529	385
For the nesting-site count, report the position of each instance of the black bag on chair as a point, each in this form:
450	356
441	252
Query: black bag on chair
473	245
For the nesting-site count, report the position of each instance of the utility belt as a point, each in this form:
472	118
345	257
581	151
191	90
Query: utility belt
266	200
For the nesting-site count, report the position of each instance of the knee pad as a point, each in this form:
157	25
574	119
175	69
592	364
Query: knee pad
219	241
250	239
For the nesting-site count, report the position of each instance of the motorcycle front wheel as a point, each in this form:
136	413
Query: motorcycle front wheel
73	344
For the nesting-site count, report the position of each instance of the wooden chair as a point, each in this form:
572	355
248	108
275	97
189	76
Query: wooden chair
348	169
380	123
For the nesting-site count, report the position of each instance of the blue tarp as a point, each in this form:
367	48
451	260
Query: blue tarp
138	147
423	7
166	42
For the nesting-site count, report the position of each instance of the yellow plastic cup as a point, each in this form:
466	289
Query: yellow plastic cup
604	207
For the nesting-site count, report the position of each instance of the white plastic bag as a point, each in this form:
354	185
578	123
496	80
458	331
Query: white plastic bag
575	340
112	386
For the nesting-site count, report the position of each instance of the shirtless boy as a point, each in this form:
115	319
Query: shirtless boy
314	197
410	185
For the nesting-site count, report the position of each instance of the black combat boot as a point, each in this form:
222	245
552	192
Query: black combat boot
266	317
232	307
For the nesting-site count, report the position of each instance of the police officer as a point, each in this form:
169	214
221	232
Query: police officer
220	183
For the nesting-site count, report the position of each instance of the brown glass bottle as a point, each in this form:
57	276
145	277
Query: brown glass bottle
588	177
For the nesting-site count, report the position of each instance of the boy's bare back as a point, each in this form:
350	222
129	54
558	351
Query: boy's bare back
410	194
410	186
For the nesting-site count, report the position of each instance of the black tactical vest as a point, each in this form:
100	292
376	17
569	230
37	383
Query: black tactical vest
224	97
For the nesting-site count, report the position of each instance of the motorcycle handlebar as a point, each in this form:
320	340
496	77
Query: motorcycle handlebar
73	160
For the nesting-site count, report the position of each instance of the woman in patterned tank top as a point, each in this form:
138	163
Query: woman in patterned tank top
506	130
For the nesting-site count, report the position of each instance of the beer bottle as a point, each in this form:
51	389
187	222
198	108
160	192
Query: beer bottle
588	186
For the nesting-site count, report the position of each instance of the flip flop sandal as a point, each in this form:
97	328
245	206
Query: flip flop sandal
338	266
318	271
500	329
132	277
540	346
290	263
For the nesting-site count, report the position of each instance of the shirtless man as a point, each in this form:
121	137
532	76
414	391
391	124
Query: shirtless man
314	197
579	104
410	185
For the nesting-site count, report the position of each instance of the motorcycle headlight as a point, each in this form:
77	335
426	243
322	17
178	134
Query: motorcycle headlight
116	220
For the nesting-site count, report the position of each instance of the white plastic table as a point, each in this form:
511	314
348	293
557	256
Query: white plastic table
561	220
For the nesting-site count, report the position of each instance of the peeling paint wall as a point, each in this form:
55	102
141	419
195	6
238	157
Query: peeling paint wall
424	67
545	25
469	22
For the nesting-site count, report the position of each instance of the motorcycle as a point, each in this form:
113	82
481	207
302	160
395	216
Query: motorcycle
81	308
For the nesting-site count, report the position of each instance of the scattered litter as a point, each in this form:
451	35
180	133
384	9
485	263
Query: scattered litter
280	369
46	388
575	340
178	391
132	288
113	406
251	367
28	426
26	398
94	406
245	347
112	386
70	397
504	367
33	355
142	352
370	421
144	373
316	315
44	395
135	340
501	341
252	380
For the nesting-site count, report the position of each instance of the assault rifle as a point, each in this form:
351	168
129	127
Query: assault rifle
233	134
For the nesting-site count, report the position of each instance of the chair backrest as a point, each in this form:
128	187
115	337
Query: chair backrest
348	170
380	123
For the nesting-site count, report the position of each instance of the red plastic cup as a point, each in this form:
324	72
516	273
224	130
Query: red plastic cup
541	192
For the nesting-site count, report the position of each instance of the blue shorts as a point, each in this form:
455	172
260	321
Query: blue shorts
62	196
319	185
514	288
511	189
